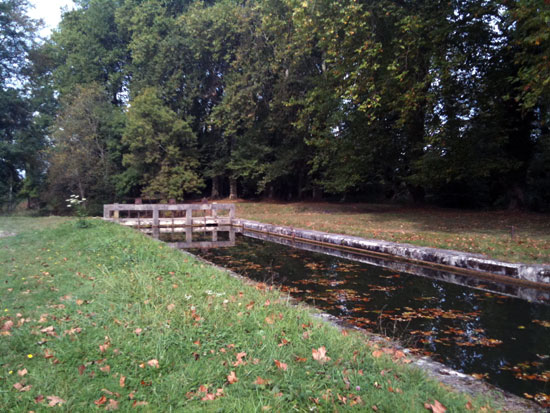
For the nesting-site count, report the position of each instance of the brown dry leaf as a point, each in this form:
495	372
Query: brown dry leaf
250	305
122	381
280	365
39	398
170	307
7	325
138	331
269	320
50	330
21	373
267	302
259	381
137	404
102	400
113	405
300	359
81	369
232	378
105	369
374	408
377	353
54	400
79	302
469	406
436	407
305	335
345	333
320	354
283	342
48	354
398	354
153	363
21	387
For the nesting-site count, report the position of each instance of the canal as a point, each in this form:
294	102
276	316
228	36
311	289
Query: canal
496	332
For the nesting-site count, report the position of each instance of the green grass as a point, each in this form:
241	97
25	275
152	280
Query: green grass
484	232
94	305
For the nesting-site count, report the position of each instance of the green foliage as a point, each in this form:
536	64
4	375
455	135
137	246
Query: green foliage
161	149
85	151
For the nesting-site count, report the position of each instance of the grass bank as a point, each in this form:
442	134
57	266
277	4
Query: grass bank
504	235
106	318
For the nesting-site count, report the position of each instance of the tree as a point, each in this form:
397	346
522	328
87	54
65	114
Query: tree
17	32
161	157
86	138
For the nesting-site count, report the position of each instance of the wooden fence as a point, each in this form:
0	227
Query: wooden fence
169	215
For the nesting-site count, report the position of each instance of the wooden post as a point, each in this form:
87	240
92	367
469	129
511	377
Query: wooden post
155	217
188	216
231	214
215	235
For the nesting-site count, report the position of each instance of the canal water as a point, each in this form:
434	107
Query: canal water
474	326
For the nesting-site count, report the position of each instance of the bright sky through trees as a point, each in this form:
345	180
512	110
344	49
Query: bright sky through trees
50	12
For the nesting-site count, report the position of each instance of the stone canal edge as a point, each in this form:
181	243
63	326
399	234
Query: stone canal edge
467	263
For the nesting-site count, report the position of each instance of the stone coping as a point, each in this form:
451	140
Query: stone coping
534	273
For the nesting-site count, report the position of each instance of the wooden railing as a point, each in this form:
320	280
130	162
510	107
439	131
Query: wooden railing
167	215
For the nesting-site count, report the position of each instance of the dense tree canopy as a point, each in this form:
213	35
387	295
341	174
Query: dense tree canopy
428	101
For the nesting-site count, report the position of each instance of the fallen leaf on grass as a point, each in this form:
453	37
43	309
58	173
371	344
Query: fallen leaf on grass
39	399
113	405
436	407
320	354
21	387
7	325
101	401
122	381
153	363
377	353
232	378
21	373
269	320
81	369
138	331
170	307
260	382
137	404
54	400
105	369
283	342
280	365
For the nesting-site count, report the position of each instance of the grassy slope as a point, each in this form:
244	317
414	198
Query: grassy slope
78	297
487	233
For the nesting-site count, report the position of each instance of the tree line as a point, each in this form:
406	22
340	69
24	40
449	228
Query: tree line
445	102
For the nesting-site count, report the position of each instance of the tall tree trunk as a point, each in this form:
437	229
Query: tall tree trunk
215	188
233	188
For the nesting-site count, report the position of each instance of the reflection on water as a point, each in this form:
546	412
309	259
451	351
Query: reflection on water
474	326
196	237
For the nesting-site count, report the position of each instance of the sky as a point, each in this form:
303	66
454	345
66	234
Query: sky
49	11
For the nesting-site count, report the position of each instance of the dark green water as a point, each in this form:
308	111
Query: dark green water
504	339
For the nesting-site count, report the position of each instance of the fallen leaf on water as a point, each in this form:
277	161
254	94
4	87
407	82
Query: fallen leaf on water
280	365
54	400
232	378
436	407
153	363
